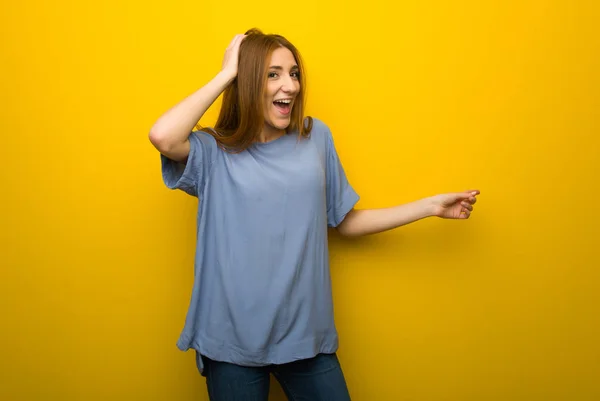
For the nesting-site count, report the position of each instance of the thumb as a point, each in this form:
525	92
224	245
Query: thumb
454	197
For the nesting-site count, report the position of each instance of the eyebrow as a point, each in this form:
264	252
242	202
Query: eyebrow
277	67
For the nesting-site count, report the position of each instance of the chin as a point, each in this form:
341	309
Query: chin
280	124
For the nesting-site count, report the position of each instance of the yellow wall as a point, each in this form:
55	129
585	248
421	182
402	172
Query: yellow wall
422	97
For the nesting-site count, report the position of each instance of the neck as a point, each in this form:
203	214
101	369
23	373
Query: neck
269	134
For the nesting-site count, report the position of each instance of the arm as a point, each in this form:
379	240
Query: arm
371	221
170	133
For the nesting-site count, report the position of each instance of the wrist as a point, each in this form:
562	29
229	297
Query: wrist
226	76
432	207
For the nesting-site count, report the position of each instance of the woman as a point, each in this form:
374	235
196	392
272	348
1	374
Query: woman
269	183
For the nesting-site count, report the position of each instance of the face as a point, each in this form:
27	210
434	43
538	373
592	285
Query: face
283	85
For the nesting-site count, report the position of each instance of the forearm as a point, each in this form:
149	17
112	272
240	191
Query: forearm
175	125
370	221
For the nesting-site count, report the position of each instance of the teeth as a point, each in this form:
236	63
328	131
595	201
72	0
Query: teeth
286	101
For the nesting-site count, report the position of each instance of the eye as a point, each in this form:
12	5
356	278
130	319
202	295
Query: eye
272	74
296	74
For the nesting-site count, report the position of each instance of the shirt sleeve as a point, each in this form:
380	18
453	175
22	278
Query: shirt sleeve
190	176
341	197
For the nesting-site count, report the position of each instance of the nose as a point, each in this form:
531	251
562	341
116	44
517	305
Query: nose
289	85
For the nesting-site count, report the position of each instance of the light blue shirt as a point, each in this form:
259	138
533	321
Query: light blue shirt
262	288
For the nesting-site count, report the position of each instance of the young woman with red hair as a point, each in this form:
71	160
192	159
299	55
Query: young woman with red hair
269	183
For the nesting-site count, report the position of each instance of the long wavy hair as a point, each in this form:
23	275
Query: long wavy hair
241	118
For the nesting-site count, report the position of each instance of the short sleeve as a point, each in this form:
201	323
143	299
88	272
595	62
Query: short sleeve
341	197
190	176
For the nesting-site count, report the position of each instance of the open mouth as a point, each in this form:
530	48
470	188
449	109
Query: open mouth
283	106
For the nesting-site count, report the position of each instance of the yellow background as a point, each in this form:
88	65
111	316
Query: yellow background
422	97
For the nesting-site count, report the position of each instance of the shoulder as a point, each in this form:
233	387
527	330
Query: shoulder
320	131
204	138
318	125
203	146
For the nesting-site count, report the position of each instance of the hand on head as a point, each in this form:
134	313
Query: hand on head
231	59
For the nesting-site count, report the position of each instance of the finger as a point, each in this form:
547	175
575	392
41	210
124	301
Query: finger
465	194
236	39
239	41
466	206
232	43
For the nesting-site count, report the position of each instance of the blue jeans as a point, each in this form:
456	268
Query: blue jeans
315	379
